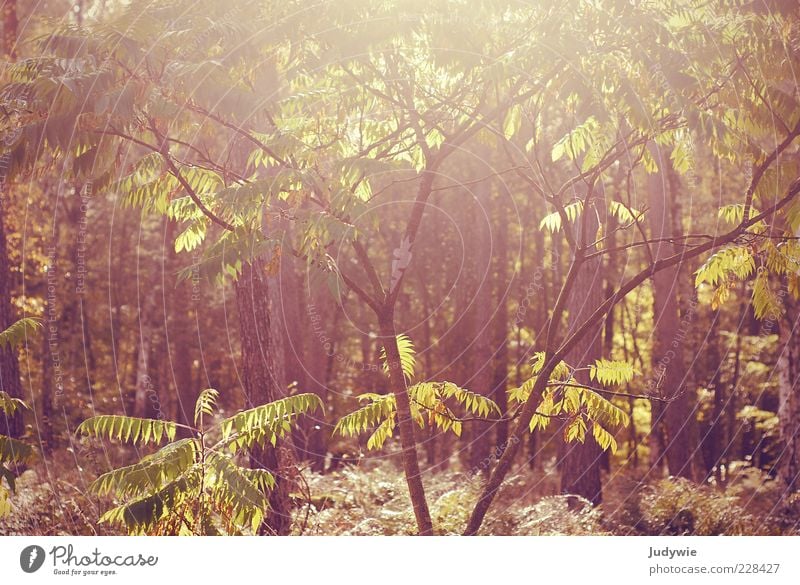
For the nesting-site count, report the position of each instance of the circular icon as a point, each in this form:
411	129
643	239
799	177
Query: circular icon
31	558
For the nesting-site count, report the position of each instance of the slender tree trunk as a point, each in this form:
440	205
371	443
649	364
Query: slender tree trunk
397	383
320	319
788	368
716	432
300	368
145	357
500	343
481	312
52	377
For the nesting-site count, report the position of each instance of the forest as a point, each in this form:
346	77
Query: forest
384	267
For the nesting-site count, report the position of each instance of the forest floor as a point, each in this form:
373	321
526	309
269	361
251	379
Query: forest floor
371	499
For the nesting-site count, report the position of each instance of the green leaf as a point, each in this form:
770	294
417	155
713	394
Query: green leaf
128	429
575	431
206	404
19	331
611	372
14	451
408	362
735	261
512	121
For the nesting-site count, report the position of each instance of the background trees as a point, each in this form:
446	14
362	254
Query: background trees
552	201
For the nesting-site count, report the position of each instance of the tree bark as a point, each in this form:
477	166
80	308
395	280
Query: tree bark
263	380
10	425
788	368
397	383
51	359
145	357
481	312
676	415
579	463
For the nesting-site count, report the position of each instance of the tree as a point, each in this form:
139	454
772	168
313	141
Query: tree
9	364
673	420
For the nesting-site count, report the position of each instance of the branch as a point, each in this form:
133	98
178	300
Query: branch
762	168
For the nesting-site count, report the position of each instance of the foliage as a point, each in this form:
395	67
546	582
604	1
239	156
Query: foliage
19	331
430	403
195	485
13	452
676	506
286	142
576	405
408	360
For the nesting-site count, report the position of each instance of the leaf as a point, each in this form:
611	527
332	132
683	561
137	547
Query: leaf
379	408
575	431
267	422
383	432
128	429
17	332
577	140
9	405
408	361
766	303
552	221
205	404
603	438
512	121
151	473
624	213
611	372
472	401
14	451
734	260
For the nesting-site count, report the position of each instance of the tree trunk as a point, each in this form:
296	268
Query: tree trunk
579	463
500	342
397	383
309	436
145	356
52	374
788	368
263	380
10	425
10	32
186	298
481	312
668	364
716	433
